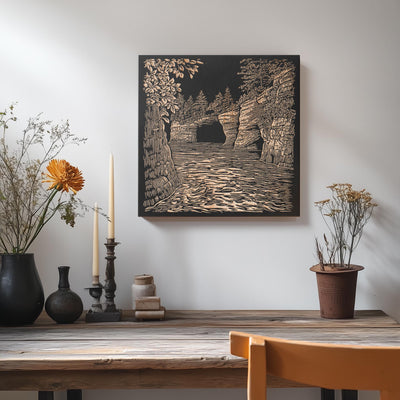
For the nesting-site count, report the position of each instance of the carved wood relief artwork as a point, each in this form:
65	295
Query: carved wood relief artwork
219	135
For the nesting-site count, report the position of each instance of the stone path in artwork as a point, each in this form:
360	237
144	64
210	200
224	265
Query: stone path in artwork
215	178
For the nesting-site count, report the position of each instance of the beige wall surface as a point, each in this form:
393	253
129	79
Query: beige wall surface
78	60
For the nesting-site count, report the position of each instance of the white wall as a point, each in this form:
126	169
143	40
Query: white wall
77	60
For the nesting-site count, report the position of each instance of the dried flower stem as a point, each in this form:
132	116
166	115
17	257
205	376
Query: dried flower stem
345	214
25	206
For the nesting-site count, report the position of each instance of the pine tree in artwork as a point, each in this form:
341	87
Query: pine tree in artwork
200	105
227	102
255	76
216	105
188	109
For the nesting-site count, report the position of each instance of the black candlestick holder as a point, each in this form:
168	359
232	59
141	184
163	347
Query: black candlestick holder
107	312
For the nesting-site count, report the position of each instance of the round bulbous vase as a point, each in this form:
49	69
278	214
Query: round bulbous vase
64	306
21	291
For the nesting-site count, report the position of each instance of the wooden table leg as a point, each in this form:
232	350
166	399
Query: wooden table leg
327	394
349	395
74	394
45	395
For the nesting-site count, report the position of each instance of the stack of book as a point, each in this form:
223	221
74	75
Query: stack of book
149	307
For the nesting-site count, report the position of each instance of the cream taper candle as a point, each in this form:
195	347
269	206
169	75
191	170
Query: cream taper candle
111	228
95	259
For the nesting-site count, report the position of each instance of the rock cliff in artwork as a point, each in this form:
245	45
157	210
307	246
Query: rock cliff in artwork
258	121
161	177
249	121
230	123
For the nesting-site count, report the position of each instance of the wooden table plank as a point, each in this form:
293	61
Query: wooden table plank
44	336
231	318
189	349
161	351
125	379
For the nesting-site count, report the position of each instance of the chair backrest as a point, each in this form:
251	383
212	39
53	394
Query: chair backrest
329	366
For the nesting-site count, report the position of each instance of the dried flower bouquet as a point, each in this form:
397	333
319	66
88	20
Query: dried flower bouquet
345	214
25	205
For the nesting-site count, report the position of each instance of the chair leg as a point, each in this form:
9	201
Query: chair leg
74	394
42	395
327	394
349	395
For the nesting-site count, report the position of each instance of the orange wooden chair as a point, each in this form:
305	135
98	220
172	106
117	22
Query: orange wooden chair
321	365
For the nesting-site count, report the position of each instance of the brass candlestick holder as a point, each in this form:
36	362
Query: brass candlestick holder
107	312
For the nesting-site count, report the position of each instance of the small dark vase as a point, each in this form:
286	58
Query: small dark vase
64	305
21	291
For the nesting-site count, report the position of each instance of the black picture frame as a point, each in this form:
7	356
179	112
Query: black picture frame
219	135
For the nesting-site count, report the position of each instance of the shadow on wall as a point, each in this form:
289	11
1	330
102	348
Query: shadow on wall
172	271
305	169
384	278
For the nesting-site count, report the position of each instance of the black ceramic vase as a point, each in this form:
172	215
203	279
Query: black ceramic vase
21	291
64	305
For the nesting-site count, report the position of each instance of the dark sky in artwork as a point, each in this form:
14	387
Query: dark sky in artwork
215	75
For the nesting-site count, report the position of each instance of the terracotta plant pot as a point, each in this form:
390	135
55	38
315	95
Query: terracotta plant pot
337	290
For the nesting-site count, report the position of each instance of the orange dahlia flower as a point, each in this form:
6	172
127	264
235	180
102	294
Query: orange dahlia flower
63	176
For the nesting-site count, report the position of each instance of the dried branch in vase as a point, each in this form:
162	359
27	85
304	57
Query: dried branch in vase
25	205
345	214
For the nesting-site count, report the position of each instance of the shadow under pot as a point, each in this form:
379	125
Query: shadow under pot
64	306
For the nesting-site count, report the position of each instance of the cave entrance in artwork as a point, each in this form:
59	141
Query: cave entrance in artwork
211	133
258	145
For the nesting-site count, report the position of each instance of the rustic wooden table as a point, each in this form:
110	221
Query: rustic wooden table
190	349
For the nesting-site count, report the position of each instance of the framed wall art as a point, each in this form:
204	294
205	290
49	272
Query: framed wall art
219	135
